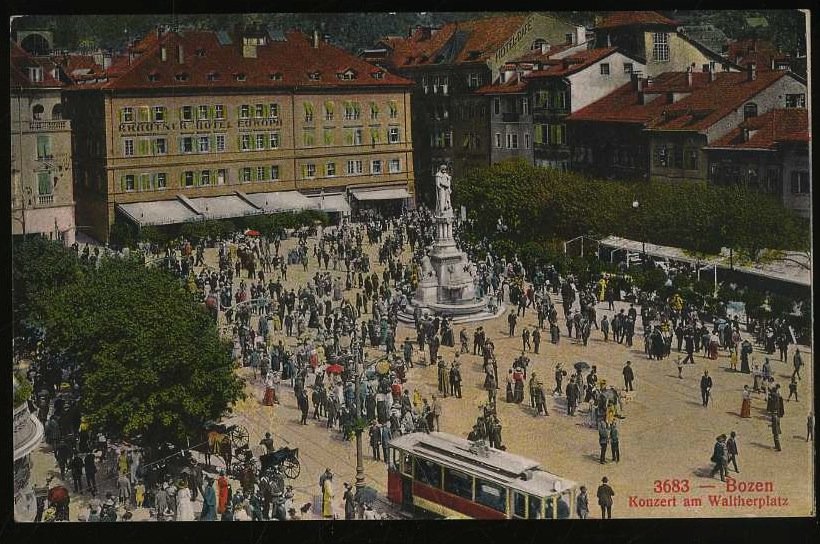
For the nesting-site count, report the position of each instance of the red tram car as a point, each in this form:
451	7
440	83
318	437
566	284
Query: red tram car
443	476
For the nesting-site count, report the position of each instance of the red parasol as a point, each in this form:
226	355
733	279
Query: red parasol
334	369
57	495
251	232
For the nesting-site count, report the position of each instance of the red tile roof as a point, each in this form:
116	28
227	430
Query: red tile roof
204	58
481	39
768	130
514	86
752	50
537	56
21	61
705	102
635	18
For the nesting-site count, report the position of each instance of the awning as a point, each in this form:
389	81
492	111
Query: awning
160	212
222	207
330	203
280	201
375	193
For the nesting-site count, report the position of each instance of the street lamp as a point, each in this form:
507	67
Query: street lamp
635	206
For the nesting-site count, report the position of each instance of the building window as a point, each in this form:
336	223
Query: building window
260	173
273	111
187	145
260	111
354	167
309	138
245	174
204	144
161	181
512	141
428	472
749	110
525	106
458	483
605	69
274	140
188	178
128	147
376	167
219	111
187	113
159	113
274	172
498	139
244	111
129	182
160	146
221	176
497	106
128	115
393	135
628	67
394	109
308	112
374	111
800	182
568	38
474	80
260	141
690	158
213	76
310	170
662	153
35	74
357	136
660	47
526	141
37	112
245	142
220	142
205	177
795	100
394	166
202	112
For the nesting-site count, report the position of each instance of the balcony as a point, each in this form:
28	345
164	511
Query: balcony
45	200
47	125
510	117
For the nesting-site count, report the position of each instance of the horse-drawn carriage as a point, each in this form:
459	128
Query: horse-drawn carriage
284	460
222	439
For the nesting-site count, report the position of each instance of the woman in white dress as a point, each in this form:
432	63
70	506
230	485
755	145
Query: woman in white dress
185	508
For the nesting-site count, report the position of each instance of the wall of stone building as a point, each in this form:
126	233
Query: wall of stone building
682	54
689	141
537	26
27	163
511	121
797	160
589	85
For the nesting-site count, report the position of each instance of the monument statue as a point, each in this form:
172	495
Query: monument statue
443	190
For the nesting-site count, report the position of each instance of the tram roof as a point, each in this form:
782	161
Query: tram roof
498	466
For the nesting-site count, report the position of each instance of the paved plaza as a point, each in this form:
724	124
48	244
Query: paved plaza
666	435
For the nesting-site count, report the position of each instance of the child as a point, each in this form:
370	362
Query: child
139	493
733	359
680	368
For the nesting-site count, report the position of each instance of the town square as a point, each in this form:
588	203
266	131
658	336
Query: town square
554	275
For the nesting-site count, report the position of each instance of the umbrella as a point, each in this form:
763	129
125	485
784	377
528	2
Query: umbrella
581	365
334	369
57	494
251	232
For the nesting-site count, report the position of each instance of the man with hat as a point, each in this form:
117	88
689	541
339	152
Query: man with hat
375	439
605	494
629	376
559	376
720	457
455	378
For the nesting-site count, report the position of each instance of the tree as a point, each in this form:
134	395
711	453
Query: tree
151	361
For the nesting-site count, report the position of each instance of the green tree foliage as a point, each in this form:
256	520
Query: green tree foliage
39	268
537	204
153	365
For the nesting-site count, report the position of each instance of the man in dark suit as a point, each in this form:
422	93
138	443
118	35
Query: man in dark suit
705	387
731	450
629	376
605	494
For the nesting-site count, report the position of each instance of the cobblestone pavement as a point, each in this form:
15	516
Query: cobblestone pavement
667	433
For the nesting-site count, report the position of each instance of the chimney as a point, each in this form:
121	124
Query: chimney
637	82
712	73
326	38
752	73
315	39
772	63
180	56
163	53
689	77
745	134
545	47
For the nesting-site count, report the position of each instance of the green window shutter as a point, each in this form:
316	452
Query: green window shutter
153	181
180	114
538	136
153	147
308	108
196	179
239	143
267	172
374	135
348	137
357	108
182	179
374	107
211	112
253	141
304	171
120	115
265	110
239	112
212	143
122	182
329	107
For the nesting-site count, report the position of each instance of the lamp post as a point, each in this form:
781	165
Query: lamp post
635	206
359	456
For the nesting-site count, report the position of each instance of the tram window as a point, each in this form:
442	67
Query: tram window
458	483
535	508
563	505
550	509
491	495
428	472
407	465
519	505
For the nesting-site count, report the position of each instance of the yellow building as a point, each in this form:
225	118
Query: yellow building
203	125
658	42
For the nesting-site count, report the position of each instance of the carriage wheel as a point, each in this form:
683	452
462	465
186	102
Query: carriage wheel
291	468
239	437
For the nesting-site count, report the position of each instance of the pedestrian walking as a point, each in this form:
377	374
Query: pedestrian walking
582	503
776	431
809	426
731	450
77	472
629	376
719	457
605	494
603	439
793	389
614	441
705	387
350	504
798	363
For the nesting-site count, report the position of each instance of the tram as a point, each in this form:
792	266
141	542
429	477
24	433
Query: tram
438	475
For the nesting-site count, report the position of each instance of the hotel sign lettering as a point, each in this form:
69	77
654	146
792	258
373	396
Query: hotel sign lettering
513	41
160	126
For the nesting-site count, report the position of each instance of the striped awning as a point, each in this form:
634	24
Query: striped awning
380	193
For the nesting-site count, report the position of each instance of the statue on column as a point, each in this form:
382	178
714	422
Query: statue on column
443	190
